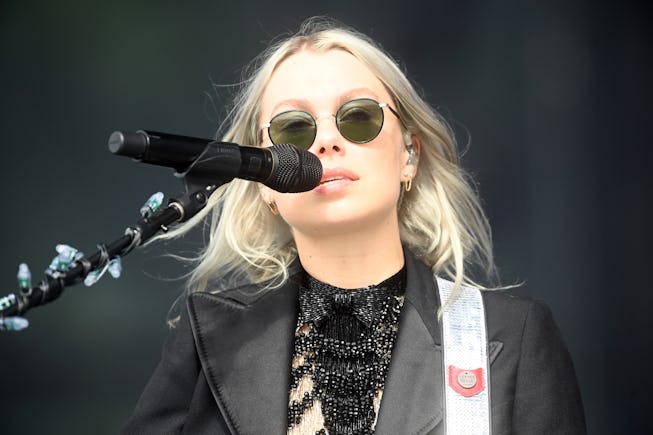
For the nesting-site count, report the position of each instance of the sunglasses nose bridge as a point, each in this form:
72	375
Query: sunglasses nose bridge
318	119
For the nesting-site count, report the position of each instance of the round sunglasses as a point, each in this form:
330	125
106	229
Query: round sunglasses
358	121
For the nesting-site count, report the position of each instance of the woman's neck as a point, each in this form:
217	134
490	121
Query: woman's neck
351	260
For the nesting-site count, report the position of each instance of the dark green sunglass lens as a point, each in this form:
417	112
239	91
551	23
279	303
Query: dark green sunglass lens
360	121
294	127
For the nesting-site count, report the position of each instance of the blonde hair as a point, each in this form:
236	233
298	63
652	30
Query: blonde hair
440	218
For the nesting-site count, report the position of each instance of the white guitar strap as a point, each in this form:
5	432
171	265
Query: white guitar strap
466	369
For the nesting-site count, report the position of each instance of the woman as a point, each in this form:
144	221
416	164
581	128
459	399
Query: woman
318	312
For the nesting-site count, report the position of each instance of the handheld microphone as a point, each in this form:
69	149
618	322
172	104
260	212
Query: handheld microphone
283	168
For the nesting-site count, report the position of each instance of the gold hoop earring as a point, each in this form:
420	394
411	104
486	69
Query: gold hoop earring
408	184
273	208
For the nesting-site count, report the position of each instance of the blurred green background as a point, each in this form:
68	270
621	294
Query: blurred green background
550	101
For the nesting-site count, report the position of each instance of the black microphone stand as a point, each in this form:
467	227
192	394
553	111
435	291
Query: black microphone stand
52	285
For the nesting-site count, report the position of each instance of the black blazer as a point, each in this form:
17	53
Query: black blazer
225	368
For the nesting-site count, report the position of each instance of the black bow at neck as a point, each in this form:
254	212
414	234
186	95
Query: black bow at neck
318	300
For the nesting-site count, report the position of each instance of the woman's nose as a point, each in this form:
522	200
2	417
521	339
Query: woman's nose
328	139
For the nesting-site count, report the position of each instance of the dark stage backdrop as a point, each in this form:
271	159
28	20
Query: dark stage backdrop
549	100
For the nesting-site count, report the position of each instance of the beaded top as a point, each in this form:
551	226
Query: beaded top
343	344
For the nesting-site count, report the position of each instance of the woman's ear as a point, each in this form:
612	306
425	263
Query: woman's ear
266	193
413	148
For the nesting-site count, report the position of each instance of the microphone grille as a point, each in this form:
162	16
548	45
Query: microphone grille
297	170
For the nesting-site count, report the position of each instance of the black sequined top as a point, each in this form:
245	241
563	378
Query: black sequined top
343	344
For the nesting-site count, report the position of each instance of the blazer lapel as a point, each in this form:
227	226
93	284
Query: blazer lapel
244	341
412	398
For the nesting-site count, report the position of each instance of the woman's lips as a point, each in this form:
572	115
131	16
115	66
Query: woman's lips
335	180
